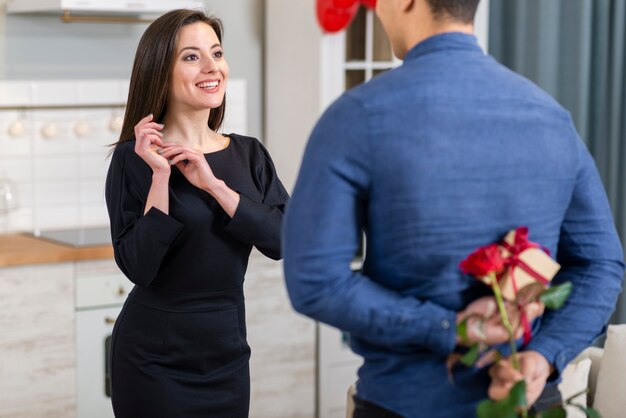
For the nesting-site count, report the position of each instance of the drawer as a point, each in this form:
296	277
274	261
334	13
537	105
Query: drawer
102	290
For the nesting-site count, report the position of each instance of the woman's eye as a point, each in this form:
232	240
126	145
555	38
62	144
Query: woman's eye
218	54
191	57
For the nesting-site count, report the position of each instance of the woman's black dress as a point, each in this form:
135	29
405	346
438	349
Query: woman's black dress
179	345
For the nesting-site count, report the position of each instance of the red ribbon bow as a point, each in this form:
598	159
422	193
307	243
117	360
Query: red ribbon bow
335	15
520	244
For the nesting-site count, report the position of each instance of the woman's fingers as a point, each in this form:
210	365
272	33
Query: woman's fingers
169	152
150	131
154	140
145	119
180	158
147	126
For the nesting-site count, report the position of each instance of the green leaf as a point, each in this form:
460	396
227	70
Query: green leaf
507	407
471	356
555	296
590	412
556	412
491	409
517	395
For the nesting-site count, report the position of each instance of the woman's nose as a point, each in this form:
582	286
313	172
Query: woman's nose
209	65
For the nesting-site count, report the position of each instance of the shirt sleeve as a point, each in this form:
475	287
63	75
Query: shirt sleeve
259	223
323	226
140	242
591	258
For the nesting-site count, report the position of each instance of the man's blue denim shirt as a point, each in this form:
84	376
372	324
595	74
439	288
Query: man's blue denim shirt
433	159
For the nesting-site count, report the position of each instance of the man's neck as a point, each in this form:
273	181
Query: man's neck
432	28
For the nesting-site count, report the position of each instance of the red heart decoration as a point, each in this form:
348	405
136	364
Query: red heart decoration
333	18
370	4
344	4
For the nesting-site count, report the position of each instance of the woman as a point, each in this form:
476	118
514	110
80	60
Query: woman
186	206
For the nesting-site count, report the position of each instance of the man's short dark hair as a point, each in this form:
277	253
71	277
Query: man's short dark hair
459	10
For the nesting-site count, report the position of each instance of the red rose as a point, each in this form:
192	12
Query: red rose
485	260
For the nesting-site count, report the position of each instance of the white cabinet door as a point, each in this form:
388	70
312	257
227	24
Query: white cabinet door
93	331
37	365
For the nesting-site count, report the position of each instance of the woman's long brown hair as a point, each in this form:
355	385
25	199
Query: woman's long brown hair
149	82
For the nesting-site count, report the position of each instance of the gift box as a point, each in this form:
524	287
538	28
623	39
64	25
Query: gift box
528	264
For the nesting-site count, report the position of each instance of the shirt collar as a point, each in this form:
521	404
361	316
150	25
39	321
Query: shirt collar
442	41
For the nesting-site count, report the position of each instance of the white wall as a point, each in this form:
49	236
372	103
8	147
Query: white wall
293	91
243	45
481	24
43	48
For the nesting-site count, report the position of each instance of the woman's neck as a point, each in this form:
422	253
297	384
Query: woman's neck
191	129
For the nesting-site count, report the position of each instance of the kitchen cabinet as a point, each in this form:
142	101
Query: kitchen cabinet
55	318
37	341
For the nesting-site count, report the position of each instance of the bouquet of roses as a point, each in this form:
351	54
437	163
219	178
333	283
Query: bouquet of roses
517	271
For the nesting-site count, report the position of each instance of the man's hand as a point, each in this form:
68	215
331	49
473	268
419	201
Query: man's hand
535	369
484	324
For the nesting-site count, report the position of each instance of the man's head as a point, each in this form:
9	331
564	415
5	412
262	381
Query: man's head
408	22
454	10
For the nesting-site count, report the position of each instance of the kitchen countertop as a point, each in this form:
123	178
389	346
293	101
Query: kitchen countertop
24	249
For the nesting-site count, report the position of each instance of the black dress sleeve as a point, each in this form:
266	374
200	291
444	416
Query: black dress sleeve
140	242
260	223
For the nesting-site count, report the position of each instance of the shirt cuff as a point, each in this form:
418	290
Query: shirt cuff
243	223
441	337
164	227
557	356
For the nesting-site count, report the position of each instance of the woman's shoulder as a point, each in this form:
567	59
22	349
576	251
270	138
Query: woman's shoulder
242	140
123	150
249	143
125	157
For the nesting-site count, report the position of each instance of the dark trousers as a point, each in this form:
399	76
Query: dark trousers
364	409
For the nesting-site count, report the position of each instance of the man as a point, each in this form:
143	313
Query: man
433	159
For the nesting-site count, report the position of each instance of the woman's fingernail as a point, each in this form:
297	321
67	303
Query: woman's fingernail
161	125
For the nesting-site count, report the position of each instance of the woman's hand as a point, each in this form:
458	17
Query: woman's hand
148	141
192	163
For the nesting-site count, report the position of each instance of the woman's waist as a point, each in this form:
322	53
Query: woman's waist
183	301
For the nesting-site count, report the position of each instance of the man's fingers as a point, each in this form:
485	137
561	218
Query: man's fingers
484	306
487	359
534	310
504	371
499	390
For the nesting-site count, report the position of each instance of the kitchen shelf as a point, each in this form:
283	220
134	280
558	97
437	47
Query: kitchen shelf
65	107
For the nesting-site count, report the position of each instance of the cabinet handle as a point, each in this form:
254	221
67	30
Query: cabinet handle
109	321
121	291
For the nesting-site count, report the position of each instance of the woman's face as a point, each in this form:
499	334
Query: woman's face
200	70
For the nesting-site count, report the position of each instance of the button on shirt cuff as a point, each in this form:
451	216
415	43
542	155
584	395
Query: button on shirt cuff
441	337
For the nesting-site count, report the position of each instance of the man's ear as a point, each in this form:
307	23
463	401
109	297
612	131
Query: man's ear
407	5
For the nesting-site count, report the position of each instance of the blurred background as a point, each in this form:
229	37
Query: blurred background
64	72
